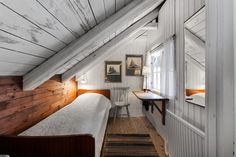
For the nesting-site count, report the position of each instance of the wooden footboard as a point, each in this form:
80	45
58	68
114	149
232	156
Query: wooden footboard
48	146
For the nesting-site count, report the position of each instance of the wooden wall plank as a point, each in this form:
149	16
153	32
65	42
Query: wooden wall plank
15	24
65	13
34	12
20	110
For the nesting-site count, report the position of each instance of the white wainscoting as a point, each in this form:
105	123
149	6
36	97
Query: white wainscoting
181	138
195	115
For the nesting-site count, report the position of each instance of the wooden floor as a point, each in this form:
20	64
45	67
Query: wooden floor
138	125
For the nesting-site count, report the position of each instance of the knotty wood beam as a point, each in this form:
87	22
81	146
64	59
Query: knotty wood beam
106	50
128	15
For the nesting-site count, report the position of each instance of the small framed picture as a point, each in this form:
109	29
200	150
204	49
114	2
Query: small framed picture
113	71
134	65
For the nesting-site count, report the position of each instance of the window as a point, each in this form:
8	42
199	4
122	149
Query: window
156	58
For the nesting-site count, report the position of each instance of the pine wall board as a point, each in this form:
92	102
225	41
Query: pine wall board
19	110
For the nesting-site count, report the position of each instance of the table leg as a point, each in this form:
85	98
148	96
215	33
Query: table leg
146	105
163	112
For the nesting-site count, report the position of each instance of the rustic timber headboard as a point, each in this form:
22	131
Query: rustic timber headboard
105	92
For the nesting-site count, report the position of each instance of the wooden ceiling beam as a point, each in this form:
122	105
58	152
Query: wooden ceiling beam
128	15
106	50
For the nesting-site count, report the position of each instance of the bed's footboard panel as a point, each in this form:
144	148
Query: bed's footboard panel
48	146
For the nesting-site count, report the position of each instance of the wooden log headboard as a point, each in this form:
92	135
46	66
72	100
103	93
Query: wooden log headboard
48	146
190	92
105	92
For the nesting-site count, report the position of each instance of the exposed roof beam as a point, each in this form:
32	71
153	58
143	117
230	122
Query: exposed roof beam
151	26
106	50
128	15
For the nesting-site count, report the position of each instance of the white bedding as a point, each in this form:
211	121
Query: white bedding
87	114
198	99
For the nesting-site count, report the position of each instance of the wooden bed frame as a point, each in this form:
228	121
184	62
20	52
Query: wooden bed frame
105	92
190	92
48	146
51	146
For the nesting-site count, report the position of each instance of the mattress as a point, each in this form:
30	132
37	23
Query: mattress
198	99
87	114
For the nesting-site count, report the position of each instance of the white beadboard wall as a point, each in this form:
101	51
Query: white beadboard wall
96	75
181	138
171	21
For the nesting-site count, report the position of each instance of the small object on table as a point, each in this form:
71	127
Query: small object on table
149	98
146	71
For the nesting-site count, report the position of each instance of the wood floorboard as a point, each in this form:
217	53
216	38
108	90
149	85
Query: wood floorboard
139	125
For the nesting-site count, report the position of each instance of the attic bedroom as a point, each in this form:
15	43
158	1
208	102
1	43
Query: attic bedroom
112	78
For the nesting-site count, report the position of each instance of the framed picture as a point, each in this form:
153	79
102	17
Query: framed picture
134	65
113	71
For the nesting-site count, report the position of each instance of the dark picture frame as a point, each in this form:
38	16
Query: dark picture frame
134	65
113	71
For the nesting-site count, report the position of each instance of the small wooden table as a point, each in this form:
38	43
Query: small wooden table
149	98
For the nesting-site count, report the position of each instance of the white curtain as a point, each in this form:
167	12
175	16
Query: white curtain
167	79
148	64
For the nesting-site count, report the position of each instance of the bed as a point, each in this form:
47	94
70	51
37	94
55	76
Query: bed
86	116
196	97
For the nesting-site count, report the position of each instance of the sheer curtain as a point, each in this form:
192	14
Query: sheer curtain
168	88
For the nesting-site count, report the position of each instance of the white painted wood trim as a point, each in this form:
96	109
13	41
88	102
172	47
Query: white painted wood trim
105	51
234	75
130	14
150	26
219	78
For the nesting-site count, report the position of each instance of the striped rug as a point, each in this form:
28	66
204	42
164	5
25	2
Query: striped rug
129	145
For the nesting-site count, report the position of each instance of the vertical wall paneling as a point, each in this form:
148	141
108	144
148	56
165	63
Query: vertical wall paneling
181	138
95	76
26	30
184	9
220	81
234	72
20	110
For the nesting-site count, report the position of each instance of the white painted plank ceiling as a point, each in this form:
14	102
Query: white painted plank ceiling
31	31
197	26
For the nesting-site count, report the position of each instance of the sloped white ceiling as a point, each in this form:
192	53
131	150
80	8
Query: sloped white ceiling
33	30
196	25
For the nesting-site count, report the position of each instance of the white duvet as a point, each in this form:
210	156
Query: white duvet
87	114
198	98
